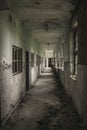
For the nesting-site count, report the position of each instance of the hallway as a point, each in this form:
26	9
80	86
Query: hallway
36	35
45	107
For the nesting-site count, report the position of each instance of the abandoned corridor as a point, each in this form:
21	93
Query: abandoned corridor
34	36
46	106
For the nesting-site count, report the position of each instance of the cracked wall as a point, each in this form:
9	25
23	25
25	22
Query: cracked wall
13	87
77	87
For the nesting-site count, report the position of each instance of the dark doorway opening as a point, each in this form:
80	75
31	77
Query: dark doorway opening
49	62
27	71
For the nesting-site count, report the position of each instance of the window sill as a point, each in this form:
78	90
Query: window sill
17	73
73	77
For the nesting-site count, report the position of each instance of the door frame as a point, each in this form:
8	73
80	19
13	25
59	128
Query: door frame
27	69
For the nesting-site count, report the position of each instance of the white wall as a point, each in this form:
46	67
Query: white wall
13	87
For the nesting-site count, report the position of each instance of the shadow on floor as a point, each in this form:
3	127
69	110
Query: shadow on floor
45	107
63	115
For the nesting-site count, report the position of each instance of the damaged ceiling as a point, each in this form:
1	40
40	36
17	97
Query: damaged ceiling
48	20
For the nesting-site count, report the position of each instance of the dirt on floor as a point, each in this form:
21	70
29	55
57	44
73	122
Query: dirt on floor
45	107
61	116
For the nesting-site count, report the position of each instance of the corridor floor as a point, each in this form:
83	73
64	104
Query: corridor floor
45	107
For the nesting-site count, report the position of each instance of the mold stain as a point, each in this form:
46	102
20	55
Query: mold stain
5	66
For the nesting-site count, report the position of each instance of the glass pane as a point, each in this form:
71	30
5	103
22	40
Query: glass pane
32	60
15	53
19	54
19	66
15	66
17	59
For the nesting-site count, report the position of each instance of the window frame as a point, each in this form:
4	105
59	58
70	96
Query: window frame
16	60
75	53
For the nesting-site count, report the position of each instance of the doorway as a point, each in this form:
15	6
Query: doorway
27	70
49	62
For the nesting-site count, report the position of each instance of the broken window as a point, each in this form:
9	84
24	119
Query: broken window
17	59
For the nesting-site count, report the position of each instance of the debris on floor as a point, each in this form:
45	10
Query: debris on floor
61	116
45	107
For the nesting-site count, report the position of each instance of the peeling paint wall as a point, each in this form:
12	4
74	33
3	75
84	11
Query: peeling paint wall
78	88
12	32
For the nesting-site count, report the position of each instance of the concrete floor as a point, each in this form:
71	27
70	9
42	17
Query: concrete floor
45	107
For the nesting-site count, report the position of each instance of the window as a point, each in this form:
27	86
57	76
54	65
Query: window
75	35
32	60
74	53
17	59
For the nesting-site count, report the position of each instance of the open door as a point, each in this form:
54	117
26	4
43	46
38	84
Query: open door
27	71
